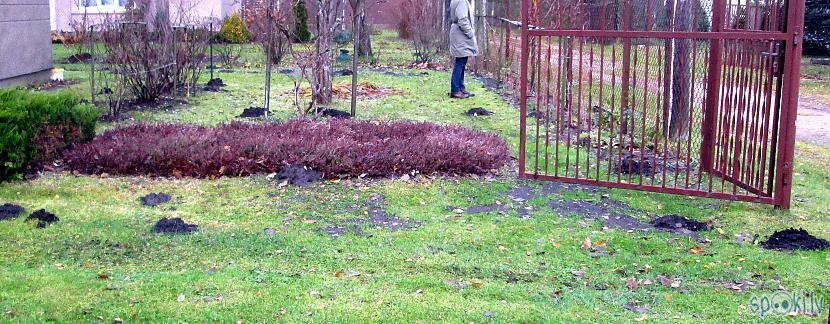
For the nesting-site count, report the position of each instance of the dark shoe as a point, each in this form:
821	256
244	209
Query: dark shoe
468	93
459	95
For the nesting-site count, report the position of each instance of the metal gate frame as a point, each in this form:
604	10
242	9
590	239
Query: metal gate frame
782	140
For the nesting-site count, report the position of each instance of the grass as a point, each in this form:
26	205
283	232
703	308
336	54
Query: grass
101	262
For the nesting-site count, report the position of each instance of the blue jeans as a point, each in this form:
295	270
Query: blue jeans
457	82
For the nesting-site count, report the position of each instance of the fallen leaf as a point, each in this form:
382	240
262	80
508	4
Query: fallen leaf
696	250
476	283
635	308
586	244
309	221
180	298
631	283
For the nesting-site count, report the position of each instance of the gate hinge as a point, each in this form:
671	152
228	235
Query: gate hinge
796	37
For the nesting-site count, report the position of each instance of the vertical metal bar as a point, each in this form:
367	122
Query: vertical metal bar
713	87
692	106
767	115
626	62
547	108
589	108
537	84
792	72
661	114
193	63
523	87
92	64
579	103
210	44
600	101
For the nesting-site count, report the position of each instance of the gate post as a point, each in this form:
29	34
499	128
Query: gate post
707	147
789	104
523	86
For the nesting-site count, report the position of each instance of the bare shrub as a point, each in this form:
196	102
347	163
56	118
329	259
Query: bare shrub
154	58
418	21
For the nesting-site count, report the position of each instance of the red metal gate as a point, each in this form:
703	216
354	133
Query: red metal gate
688	97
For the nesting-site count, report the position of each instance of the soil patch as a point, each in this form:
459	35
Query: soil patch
298	175
794	239
394	73
290	72
472	210
427	66
553	188
343	72
174	225
627	223
677	223
333	113
489	83
155	199
520	194
52	85
9	211
43	218
253	112
478	112
585	208
378	219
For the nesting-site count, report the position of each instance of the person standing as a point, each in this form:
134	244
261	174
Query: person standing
463	45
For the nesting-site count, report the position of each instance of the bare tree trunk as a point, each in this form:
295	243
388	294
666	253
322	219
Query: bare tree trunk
364	48
681	73
328	18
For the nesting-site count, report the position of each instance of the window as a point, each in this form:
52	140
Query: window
103	5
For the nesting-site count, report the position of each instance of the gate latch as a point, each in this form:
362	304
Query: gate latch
796	37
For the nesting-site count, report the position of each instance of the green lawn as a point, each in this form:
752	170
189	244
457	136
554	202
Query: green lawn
102	262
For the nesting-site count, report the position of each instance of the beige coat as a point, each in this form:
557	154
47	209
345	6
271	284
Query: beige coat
463	41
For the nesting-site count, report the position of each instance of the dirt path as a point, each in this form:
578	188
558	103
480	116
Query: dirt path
813	123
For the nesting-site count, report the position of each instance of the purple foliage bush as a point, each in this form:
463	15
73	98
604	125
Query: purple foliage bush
336	147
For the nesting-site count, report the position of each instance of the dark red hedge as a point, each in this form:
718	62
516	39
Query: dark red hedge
337	147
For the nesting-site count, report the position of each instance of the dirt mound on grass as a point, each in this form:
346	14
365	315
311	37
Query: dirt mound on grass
78	58
633	164
9	211
155	199
333	113
794	239
174	225
43	218
214	85
478	112
253	112
298	175
679	223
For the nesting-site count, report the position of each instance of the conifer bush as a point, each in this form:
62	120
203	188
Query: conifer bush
36	127
301	32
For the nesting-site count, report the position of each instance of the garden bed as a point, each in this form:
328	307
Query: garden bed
335	148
